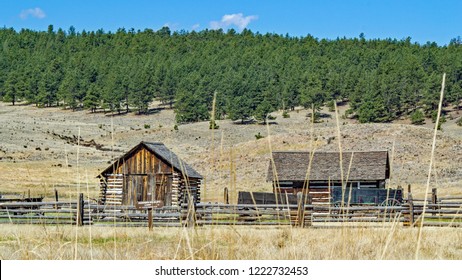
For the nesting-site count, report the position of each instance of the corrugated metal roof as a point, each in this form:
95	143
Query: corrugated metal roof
294	166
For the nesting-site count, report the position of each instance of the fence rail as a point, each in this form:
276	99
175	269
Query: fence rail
445	211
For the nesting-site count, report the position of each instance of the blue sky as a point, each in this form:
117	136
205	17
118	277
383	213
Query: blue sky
424	20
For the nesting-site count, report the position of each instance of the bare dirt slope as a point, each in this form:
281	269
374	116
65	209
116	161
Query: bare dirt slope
43	149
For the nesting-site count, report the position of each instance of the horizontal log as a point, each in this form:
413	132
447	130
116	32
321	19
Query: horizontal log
447	224
356	220
241	223
137	215
367	215
35	204
48	222
114	191
206	205
22	217
129	207
144	224
46	210
360	208
440	205
456	219
243	218
239	212
436	211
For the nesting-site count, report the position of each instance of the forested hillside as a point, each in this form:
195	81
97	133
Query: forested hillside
253	74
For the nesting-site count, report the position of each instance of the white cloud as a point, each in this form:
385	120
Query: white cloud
238	20
172	25
35	12
195	26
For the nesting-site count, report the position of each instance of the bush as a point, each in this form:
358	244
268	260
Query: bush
147	126
442	119
285	114
331	106
258	136
417	117
213	125
175	127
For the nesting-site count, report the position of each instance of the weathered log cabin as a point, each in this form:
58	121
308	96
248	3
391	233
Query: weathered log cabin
315	173
149	173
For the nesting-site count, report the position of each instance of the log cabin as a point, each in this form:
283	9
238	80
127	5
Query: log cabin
149	174
315	174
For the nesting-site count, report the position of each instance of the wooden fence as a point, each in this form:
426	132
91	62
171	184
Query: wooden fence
444	211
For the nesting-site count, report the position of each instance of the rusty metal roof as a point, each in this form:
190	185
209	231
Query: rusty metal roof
295	166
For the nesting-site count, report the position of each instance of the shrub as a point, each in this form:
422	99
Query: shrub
285	114
331	106
213	125
417	117
147	126
442	119
259	136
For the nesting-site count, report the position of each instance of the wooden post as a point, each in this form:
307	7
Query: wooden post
150	219
191	217
409	189
80	210
56	198
226	196
28	194
411	210
434	200
309	211
301	210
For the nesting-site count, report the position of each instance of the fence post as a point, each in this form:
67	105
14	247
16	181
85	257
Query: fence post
150	219
191	216
80	210
56	198
411	210
226	196
434	200
301	210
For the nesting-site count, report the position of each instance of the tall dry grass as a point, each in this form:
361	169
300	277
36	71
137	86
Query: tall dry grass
218	243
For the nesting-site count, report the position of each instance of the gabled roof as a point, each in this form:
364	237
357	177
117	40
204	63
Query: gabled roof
293	166
162	152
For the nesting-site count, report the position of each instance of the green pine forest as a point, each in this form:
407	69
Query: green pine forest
252	74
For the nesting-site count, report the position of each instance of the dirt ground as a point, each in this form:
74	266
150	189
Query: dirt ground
51	148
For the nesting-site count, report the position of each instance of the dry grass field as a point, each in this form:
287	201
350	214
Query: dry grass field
217	243
46	149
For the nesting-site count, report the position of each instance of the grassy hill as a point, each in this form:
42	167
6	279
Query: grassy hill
43	149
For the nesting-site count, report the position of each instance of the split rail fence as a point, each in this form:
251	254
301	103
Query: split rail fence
443	212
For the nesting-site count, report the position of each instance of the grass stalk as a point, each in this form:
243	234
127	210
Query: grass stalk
432	156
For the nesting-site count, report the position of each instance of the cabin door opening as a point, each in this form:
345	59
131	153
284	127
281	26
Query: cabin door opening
136	189
163	188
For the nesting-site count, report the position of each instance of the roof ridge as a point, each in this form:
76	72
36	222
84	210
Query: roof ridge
153	143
